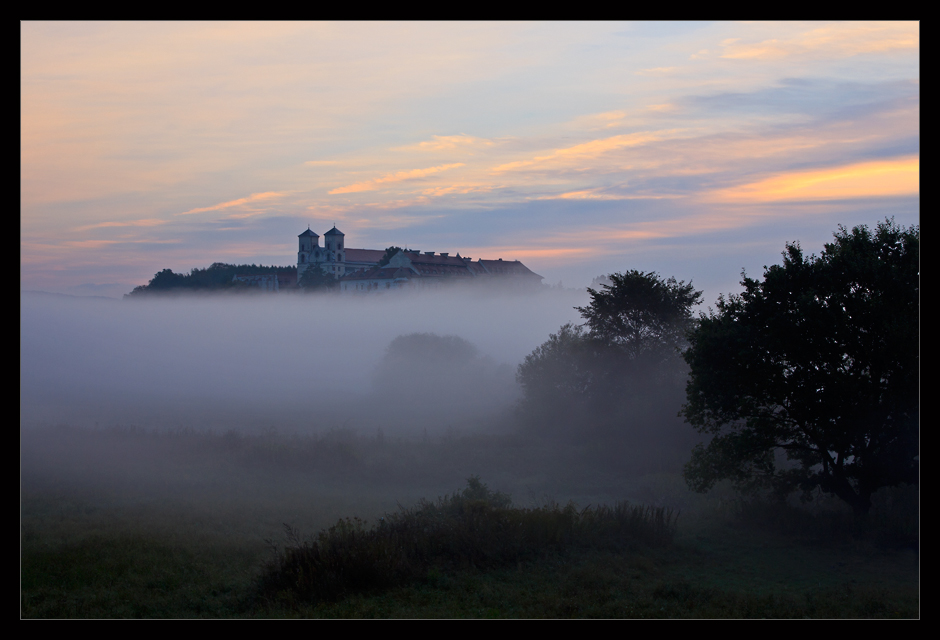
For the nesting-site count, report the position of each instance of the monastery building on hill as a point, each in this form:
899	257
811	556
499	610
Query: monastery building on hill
359	270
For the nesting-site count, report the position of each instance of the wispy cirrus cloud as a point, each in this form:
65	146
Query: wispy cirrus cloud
414	174
658	71
448	143
255	197
586	151
595	121
459	189
146	222
840	40
98	244
600	194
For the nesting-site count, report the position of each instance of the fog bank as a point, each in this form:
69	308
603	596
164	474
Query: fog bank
293	363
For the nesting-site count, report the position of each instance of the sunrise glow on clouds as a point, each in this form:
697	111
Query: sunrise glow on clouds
840	40
255	197
580	148
878	179
371	185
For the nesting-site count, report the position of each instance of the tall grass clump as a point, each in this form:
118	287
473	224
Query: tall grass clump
475	527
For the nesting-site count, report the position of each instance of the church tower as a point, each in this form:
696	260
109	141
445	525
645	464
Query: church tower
308	252
335	253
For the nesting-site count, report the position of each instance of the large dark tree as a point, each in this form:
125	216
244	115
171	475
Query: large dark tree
810	377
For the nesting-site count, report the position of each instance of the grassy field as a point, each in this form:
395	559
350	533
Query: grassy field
129	524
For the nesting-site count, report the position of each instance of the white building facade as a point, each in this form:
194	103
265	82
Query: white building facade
358	269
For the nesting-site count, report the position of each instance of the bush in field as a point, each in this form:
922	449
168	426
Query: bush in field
475	527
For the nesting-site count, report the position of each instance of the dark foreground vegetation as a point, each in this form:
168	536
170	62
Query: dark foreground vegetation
182	525
474	528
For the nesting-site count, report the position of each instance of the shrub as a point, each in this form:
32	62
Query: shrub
474	527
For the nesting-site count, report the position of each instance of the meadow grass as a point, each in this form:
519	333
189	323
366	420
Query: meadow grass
474	528
185	525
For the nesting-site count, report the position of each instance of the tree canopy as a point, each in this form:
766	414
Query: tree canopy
818	365
315	279
620	374
388	255
218	276
641	313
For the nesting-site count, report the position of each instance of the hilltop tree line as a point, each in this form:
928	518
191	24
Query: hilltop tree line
808	380
218	276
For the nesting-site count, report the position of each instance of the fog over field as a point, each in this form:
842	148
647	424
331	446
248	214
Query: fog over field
295	363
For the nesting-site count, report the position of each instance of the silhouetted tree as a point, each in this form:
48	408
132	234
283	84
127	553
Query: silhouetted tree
314	279
642	315
389	252
621	371
818	361
559	369
166	279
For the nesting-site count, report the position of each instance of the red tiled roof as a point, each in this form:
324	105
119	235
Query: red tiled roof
507	267
364	255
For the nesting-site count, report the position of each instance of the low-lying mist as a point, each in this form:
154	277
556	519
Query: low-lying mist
290	362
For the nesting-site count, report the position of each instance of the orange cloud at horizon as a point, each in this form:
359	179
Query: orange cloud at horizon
879	178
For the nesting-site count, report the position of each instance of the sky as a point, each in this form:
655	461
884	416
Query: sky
695	150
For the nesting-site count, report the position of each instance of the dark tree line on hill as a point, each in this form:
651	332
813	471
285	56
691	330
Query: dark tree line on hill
218	276
808	380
